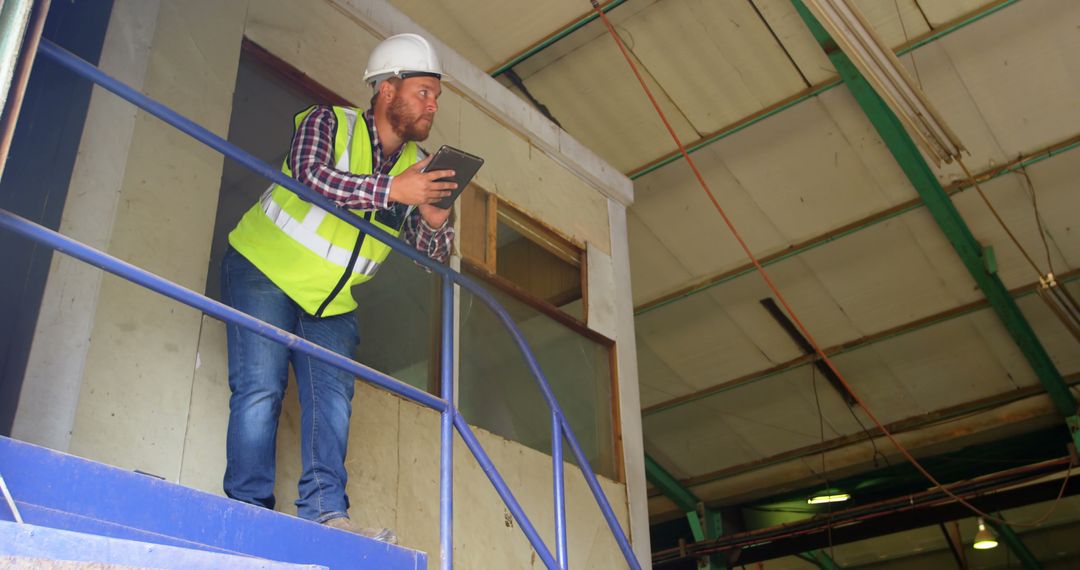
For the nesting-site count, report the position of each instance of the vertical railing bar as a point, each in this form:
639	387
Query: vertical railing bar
504	491
446	475
199	133
558	488
601	499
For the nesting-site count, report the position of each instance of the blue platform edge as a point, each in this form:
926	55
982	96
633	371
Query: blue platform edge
61	491
27	541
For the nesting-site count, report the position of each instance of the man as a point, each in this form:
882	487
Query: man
292	265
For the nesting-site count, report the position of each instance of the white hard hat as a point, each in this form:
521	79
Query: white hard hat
403	55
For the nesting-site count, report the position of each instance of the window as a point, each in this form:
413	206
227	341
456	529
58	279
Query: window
507	245
538	276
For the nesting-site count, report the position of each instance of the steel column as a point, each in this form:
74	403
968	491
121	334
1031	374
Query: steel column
1014	544
559	483
944	212
824	561
446	467
704	523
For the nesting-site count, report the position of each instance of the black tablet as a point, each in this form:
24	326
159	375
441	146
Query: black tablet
462	163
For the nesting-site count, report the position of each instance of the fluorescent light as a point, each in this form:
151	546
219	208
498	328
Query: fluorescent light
984	539
822	499
883	71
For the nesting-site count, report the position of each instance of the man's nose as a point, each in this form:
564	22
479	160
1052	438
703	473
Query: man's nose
432	106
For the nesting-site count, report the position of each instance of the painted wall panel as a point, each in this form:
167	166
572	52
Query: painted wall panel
54	370
134	401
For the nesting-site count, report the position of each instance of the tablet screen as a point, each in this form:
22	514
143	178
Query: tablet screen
462	163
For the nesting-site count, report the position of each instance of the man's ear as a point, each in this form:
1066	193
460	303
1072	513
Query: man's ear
386	90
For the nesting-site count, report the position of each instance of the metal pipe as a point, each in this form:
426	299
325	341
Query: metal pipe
814	92
446	474
13	105
581	22
10	501
503	490
209	306
201	134
559	484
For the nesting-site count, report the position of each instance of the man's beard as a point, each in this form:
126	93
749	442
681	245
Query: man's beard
406	125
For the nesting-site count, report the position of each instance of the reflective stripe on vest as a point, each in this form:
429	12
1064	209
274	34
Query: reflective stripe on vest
305	233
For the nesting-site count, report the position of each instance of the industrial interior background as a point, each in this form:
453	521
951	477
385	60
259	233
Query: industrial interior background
733	407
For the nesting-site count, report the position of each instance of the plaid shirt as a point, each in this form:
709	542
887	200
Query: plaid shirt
311	160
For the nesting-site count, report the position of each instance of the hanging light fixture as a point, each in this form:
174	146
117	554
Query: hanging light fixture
984	539
879	65
828	496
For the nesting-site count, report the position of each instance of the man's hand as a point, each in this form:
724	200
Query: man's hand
417	188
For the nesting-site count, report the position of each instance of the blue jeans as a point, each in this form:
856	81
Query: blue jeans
258	374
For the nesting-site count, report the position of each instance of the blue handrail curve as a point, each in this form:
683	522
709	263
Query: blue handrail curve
223	312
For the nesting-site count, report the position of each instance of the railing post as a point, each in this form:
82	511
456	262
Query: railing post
559	488
446	480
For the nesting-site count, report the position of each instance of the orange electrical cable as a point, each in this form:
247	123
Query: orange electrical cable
779	297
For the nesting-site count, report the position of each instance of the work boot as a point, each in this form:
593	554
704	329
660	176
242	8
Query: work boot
380	534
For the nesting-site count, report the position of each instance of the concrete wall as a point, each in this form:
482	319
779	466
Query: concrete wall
124	376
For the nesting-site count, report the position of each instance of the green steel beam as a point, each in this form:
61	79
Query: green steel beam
670	486
852	346
813	91
696	529
819	559
1015	545
547	42
1072	143
713	529
947	217
704	524
823	560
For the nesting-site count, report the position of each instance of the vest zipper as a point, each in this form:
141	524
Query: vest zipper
348	270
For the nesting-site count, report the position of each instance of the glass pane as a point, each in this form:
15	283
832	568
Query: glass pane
537	271
499	394
398	320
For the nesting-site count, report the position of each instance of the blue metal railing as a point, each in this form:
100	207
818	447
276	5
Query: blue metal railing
451	418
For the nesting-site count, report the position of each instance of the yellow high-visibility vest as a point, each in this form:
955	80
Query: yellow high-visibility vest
309	254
